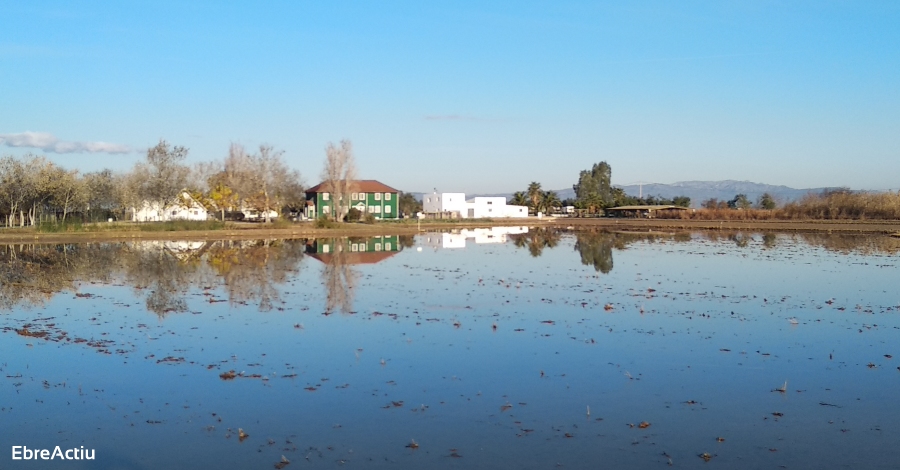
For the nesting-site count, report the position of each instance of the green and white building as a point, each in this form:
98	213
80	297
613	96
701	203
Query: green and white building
369	197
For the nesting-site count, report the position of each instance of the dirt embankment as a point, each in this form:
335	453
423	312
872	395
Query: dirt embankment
306	230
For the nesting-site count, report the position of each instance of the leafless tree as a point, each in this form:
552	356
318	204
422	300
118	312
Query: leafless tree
163	175
67	191
339	176
339	278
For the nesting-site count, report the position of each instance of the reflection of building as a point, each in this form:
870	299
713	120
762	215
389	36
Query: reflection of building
370	197
456	205
184	207
180	249
457	239
355	250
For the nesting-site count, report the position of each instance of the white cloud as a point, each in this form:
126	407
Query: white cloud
49	143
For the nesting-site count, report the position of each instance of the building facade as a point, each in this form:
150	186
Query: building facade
474	208
183	208
369	197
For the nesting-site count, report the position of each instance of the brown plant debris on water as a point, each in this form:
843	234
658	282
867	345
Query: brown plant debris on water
413	444
227	375
644	425
284	463
706	456
30	334
242	435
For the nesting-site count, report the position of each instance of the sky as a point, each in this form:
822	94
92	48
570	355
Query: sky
466	96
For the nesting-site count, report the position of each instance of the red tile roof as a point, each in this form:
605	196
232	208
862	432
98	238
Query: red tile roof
365	186
356	258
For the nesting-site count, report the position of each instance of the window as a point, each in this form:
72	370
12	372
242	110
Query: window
324	196
387	209
378	247
354	247
377	209
174	212
362	196
372	209
387	246
490	202
427	199
326	209
325	248
387	196
354	196
377	196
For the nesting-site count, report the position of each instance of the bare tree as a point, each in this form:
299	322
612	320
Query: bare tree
165	176
101	196
67	191
266	166
13	192
339	176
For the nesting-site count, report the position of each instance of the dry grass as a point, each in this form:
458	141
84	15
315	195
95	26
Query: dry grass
839	205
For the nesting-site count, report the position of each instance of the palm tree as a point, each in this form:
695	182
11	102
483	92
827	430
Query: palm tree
534	194
519	199
549	201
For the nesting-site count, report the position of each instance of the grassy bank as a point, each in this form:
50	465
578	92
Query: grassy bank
171	226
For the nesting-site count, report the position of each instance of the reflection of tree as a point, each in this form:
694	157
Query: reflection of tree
162	271
853	243
595	249
339	278
406	241
537	239
740	239
770	240
252	269
154	266
31	274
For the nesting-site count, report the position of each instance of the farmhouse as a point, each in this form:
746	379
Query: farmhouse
369	197
455	205
183	207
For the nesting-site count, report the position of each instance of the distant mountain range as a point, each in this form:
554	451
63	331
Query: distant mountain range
698	191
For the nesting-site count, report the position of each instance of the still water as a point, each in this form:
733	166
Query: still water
506	348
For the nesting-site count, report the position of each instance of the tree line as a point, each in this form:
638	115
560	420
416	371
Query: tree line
34	189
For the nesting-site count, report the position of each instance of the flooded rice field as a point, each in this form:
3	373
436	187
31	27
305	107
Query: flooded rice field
505	348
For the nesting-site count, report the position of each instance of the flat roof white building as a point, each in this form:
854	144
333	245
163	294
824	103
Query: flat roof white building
474	208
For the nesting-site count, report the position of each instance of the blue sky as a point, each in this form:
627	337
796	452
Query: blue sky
467	95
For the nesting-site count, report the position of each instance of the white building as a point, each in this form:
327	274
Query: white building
444	202
478	235
183	208
251	213
475	208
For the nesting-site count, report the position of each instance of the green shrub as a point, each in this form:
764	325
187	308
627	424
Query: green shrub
325	222
353	215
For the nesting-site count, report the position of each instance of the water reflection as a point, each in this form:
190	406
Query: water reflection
596	246
480	236
538	239
160	272
256	271
339	256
